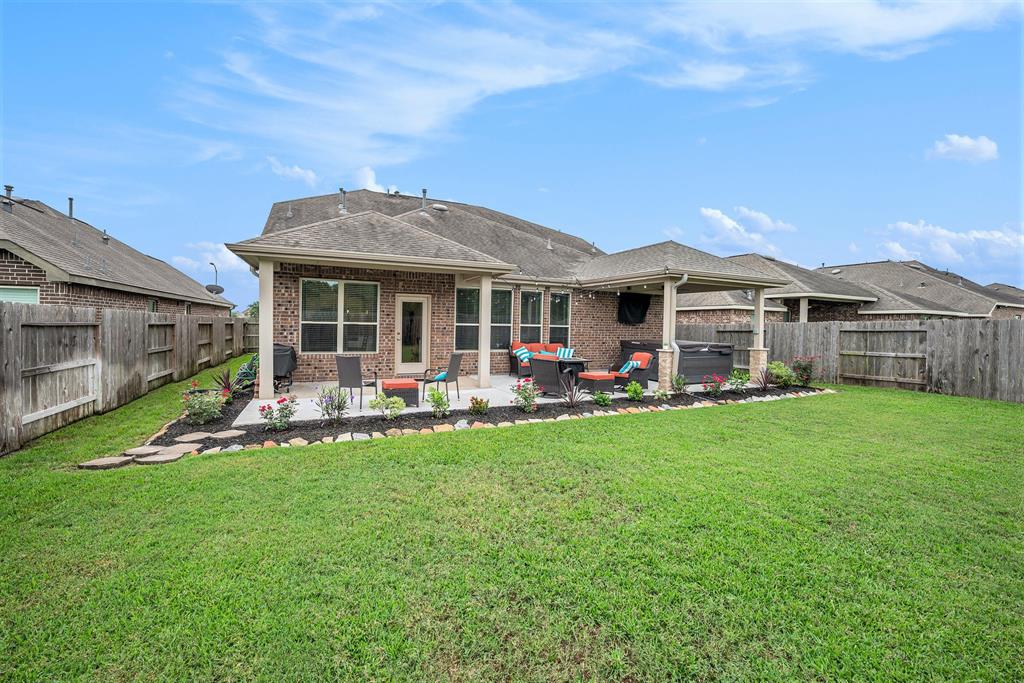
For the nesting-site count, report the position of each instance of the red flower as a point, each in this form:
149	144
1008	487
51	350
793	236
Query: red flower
283	399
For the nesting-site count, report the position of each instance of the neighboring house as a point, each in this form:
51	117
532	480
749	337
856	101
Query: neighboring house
1009	290
49	257
808	297
911	290
405	281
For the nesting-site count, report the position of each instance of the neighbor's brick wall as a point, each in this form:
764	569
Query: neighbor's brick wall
725	316
1005	313
16	271
824	311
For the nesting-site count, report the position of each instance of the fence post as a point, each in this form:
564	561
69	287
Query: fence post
10	377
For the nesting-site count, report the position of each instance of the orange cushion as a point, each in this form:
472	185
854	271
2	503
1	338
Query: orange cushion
597	375
516	344
551	348
398	384
535	347
621	375
643	358
546	356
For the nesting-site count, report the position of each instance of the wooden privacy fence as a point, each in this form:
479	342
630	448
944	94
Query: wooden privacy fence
981	358
59	364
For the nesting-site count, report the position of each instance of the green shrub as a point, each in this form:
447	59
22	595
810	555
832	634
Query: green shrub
389	406
782	374
738	380
276	419
602	399
678	383
439	404
714	384
661	394
478	406
526	393
634	392
803	368
201	407
332	402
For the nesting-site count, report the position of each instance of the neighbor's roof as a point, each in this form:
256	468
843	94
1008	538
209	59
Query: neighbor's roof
295	212
970	285
803	282
733	298
71	249
670	257
909	286
367	235
1016	292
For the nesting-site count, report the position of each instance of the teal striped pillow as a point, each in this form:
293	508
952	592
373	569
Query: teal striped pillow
564	352
629	366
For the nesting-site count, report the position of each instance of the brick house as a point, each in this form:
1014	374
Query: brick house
809	296
405	281
49	257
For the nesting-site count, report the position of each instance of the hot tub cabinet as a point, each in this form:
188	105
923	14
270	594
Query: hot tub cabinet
700	359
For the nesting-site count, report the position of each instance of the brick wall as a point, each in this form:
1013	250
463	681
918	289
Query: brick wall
595	331
16	271
824	311
725	316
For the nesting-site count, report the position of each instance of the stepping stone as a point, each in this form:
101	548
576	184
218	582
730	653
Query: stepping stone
444	428
159	458
106	463
298	441
211	451
143	450
193	436
177	449
360	436
233	448
228	434
347	436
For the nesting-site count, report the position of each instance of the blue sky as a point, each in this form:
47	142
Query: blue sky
832	133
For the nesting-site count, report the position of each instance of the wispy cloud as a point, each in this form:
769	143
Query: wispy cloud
293	172
763	221
947	247
964	148
205	253
728	232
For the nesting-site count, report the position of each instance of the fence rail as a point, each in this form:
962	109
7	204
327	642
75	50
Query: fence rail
980	358
59	364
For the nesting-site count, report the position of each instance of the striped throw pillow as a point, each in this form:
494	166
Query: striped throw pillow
440	377
629	366
563	352
523	354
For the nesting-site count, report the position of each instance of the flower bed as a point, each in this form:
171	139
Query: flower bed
312	431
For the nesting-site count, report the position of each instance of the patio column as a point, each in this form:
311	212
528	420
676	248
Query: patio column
266	329
483	362
666	355
758	349
803	310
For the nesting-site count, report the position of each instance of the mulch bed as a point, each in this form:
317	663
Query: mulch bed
314	431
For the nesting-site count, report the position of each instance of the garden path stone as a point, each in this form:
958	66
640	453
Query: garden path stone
377	435
360	436
106	463
426	430
462	424
211	451
327	439
193	436
298	441
505	424
561	418
233	448
228	434
444	428
177	449
477	425
394	431
347	436
159	458
143	450
407	431
269	444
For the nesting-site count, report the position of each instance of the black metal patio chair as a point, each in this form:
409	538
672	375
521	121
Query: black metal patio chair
436	376
350	376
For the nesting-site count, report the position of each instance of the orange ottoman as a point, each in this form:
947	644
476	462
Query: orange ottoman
406	389
597	381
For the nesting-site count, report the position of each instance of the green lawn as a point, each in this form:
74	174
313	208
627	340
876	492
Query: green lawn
865	535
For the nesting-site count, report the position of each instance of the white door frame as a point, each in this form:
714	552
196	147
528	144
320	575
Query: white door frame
412	368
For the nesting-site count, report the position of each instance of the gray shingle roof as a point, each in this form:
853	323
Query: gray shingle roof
970	285
79	249
733	298
803	281
529	252
371	233
1015	293
295	212
902	286
670	255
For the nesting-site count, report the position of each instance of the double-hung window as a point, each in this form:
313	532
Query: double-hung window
338	316
531	312
558	328
467	319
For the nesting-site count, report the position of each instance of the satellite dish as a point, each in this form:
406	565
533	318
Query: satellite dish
214	289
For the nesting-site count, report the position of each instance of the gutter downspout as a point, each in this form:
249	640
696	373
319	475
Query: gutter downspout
675	346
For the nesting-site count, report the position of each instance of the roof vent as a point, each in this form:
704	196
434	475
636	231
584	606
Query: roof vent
71	207
342	208
836	271
423	200
290	213
593	247
916	266
438	207
106	237
549	244
8	189
920	285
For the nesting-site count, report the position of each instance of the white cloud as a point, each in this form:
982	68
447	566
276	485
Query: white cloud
853	247
727	231
293	172
703	76
965	148
210	252
895	250
946	246
366	179
880	29
763	221
673	232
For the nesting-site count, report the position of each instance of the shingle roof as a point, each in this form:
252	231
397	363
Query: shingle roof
910	287
970	285
803	281
671	255
370	233
295	212
529	252
79	250
733	298
1008	290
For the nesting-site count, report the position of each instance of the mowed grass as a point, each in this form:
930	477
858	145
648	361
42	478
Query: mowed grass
868	535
